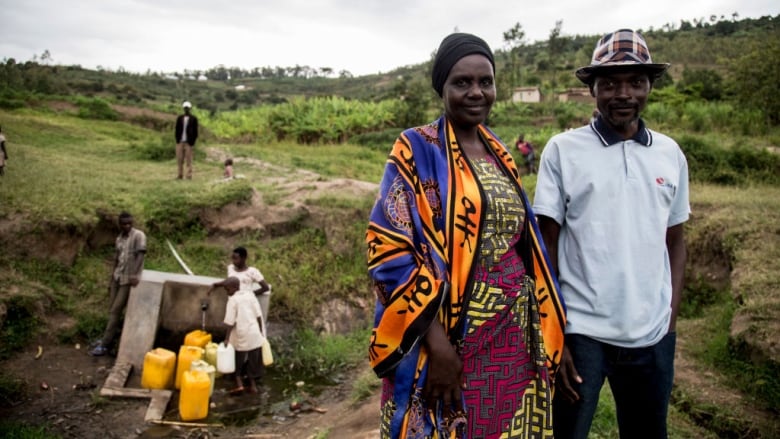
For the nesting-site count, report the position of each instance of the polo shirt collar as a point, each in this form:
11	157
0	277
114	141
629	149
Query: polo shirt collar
609	137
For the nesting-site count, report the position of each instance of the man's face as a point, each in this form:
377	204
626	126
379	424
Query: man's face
621	96
125	224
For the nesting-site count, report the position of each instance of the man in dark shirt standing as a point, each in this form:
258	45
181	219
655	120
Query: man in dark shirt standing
186	135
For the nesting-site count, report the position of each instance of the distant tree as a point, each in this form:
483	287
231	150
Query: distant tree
754	78
415	98
701	83
556	45
664	81
46	57
218	73
514	39
345	74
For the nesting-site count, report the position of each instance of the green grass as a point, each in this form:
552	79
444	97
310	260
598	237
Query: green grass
746	221
756	379
365	385
17	430
81	166
321	356
604	424
334	161
12	389
19	325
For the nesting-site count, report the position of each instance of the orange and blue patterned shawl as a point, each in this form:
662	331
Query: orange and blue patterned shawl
422	240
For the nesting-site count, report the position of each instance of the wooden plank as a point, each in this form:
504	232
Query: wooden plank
188	424
158	405
125	392
141	320
118	376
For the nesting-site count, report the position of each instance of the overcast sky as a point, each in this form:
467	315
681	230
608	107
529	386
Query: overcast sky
363	37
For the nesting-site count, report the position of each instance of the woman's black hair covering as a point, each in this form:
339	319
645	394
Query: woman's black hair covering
453	48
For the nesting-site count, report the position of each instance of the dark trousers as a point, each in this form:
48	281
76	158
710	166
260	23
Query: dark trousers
640	379
250	364
119	295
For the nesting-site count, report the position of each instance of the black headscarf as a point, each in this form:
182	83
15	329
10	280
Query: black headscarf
454	47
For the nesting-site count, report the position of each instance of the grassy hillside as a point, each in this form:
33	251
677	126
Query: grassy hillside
68	177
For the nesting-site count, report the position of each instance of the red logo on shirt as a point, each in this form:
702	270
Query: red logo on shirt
660	181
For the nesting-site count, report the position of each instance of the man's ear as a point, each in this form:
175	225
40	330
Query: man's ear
590	87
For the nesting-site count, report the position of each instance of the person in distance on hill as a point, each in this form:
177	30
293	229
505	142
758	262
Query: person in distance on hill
186	134
527	150
243	321
126	273
460	274
228	173
612	198
3	153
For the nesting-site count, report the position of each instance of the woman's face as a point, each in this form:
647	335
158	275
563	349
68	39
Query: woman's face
469	91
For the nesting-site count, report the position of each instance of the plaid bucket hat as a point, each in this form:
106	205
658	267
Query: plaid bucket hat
622	48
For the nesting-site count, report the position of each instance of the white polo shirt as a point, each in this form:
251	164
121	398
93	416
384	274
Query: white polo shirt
614	200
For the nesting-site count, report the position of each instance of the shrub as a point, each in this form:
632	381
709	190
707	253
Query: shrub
331	119
12	389
758	164
710	163
315	355
11	101
159	151
381	140
89	326
510	114
20	324
11	429
95	108
704	161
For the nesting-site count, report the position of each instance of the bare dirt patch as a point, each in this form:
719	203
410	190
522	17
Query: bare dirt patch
62	106
286	206
145	117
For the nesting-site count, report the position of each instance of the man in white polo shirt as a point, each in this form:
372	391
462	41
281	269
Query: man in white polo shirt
612	198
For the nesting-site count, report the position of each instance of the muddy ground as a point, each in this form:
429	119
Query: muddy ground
62	388
62	392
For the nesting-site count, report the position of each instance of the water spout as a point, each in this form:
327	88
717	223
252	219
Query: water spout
204	306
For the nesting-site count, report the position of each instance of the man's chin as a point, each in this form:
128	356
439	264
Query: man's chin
623	123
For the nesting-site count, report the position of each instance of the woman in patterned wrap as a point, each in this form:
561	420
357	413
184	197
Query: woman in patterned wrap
469	325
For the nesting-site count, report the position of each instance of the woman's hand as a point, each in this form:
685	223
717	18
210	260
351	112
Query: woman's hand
567	376
445	369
